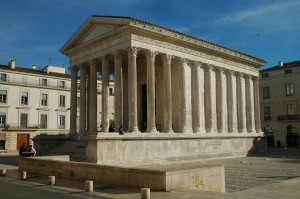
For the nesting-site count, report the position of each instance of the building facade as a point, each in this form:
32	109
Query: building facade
169	85
35	101
280	97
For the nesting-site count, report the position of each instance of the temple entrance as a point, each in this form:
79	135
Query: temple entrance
143	108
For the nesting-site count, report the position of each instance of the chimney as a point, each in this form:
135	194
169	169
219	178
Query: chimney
33	67
12	63
280	64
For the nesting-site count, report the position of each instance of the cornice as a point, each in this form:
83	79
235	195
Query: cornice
196	42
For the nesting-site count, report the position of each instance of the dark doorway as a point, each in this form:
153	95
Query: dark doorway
144	108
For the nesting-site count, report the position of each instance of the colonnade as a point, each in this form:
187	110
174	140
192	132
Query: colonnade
221	100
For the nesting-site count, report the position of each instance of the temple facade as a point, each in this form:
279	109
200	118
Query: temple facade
169	87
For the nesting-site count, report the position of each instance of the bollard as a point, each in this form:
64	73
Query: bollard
2	172
145	193
51	180
89	186
24	174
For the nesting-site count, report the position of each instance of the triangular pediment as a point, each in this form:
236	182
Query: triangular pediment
94	27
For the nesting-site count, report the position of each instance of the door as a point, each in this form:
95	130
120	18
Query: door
22	138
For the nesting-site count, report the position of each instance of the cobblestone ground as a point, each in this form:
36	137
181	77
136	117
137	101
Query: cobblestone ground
245	173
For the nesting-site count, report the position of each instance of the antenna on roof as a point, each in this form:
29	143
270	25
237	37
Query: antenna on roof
49	60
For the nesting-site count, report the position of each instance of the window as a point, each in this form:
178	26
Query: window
23	120
24	98
78	101
264	75
61	122
266	92
43	122
289	89
3	96
288	71
3	77
44	82
267	113
62	100
24	79
44	101
111	91
290	109
2	119
61	84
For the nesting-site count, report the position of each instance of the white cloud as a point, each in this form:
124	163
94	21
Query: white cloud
275	16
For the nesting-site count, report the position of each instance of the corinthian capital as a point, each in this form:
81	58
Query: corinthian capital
168	58
151	54
132	51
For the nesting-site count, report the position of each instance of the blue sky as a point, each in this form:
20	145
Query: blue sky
33	31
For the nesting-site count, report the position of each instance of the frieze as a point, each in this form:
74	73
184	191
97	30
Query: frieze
201	43
188	51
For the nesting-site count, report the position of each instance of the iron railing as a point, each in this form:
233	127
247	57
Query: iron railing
288	117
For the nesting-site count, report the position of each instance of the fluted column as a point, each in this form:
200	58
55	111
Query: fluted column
221	101
151	121
73	107
241	103
210	100
132	90
249	104
231	102
105	93
186	109
168	95
118	90
88	99
256	105
198	98
82	99
93	97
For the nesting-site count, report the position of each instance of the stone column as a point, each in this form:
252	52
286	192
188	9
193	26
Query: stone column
132	90
73	107
151	121
82	99
256	105
196	97
249	105
93	98
241	114
105	94
231	102
186	109
168	95
118	90
210	100
88	99
221	88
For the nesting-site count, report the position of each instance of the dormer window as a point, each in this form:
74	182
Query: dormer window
288	71
264	75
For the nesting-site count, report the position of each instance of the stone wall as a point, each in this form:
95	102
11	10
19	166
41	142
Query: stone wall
203	178
112	149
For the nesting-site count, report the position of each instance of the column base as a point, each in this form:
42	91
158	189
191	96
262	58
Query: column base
167	131
243	131
152	130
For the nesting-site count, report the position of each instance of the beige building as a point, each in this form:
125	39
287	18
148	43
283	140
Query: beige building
36	101
280	98
189	96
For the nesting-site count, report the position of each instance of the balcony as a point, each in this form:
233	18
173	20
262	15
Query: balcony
288	117
17	126
35	82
